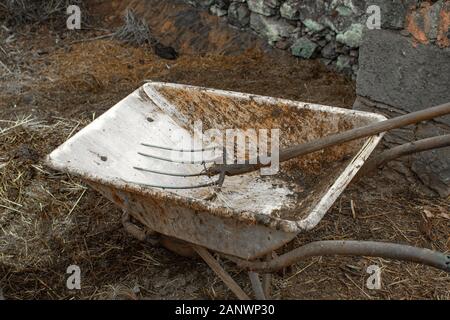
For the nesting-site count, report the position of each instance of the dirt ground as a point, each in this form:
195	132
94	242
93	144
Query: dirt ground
55	83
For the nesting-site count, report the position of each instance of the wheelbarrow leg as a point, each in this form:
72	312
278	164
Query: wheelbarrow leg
267	280
257	286
221	273
262	291
267	284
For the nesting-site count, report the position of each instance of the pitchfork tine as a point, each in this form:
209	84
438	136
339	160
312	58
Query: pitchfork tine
179	150
211	184
171	174
218	182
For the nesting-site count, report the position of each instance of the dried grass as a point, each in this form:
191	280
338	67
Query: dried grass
384	212
134	31
50	220
26	186
19	12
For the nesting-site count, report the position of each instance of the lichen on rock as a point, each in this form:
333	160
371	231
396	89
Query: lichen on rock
303	48
351	37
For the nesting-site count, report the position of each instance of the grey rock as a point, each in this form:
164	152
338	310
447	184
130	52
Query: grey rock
326	21
406	76
290	10
263	7
222	4
296	34
433	167
297	30
302	10
340	15
347	7
311	9
317	38
329	51
354	53
271	28
344	10
393	12
303	48
435	19
344	64
404	33
342	49
272	3
217	11
239	14
325	61
326	32
433	14
351	37
313	25
321	42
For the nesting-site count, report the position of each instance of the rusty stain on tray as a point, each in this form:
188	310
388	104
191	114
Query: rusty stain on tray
222	112
310	175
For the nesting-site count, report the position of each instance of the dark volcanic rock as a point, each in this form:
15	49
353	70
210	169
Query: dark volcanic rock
165	52
403	74
238	14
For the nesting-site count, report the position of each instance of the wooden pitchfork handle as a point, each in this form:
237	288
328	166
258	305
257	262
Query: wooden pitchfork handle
336	139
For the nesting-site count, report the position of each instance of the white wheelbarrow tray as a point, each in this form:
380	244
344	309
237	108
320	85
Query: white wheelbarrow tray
253	215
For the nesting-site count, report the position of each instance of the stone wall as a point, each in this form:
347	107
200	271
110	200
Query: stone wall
330	30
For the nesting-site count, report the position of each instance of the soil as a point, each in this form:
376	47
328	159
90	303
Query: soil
56	82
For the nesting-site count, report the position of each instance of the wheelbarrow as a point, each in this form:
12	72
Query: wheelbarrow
243	216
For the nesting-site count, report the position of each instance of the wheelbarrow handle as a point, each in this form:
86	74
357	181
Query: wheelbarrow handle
350	248
339	138
403	150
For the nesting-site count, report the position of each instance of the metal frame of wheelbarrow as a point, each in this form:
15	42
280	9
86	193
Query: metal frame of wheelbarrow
102	156
262	290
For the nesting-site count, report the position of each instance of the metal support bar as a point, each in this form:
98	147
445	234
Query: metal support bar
267	284
221	273
257	286
350	248
267	280
404	150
